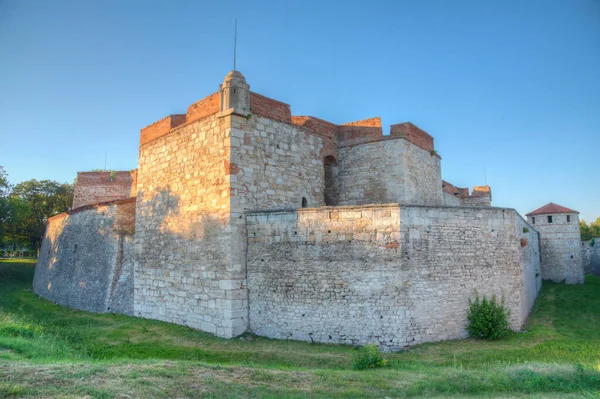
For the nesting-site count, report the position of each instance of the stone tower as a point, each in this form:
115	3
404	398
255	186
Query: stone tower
235	94
560	243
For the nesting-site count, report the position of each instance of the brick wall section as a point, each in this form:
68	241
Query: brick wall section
96	187
269	108
413	134
358	132
161	127
480	196
207	106
393	275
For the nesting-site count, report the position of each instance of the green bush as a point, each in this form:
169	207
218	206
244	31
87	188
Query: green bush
488	319
367	357
592	242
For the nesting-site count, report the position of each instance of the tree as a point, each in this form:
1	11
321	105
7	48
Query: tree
589	231
4	202
32	203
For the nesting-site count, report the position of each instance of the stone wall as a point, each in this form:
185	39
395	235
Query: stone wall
276	165
186	270
395	275
95	187
590	255
86	258
391	170
560	243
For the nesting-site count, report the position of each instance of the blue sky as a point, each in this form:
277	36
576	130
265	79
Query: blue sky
511	88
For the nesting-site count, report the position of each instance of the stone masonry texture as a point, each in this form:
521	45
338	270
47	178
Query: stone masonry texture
590	254
245	217
560	242
395	275
86	258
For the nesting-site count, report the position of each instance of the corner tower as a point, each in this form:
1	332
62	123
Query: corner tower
235	94
560	243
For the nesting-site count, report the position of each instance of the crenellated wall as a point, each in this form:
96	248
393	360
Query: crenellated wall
395	275
86	258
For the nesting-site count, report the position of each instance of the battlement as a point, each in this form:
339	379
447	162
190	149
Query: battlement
413	134
479	196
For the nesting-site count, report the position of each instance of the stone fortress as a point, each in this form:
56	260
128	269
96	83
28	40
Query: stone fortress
244	218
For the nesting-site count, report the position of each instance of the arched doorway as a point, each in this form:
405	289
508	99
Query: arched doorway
330	191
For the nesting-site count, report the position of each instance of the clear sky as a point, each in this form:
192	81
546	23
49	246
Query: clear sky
511	88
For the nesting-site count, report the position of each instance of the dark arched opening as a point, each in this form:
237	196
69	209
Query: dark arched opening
331	189
304	202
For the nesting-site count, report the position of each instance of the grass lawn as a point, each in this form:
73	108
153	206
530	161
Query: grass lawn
47	351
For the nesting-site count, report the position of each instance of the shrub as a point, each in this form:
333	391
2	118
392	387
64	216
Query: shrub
592	242
525	230
488	319
367	357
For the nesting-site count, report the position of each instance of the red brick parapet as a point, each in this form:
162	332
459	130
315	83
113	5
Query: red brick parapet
269	108
161	127
358	132
95	187
413	134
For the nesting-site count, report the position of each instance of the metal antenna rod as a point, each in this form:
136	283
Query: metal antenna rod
235	44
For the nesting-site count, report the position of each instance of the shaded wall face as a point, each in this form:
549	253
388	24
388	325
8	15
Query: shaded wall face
560	247
590	254
186	271
393	170
387	274
86	260
530	260
95	187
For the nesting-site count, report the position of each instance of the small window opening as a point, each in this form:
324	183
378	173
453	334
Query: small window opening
568	218
549	219
234	91
304	202
533	220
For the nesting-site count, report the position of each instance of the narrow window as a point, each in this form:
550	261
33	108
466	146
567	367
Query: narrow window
568	218
304	202
533	220
549	219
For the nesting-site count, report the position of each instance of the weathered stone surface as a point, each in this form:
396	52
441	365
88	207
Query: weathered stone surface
590	255
395	275
86	259
560	242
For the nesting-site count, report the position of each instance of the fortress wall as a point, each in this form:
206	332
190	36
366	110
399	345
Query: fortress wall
395	275
451	200
86	258
590	256
561	248
276	164
95	187
392	170
186	270
530	260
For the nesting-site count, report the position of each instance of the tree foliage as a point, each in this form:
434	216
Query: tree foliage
589	230
26	207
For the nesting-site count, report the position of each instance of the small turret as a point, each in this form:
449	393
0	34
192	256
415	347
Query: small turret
235	94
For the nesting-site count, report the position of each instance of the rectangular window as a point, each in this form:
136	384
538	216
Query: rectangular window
533	220
549	219
568	218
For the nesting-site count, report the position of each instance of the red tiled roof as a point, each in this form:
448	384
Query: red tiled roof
551	208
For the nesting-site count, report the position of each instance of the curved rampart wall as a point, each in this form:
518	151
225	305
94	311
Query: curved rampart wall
86	258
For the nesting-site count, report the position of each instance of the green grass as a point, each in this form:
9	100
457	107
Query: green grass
48	351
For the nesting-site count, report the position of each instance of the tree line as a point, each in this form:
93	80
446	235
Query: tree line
589	230
25	208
